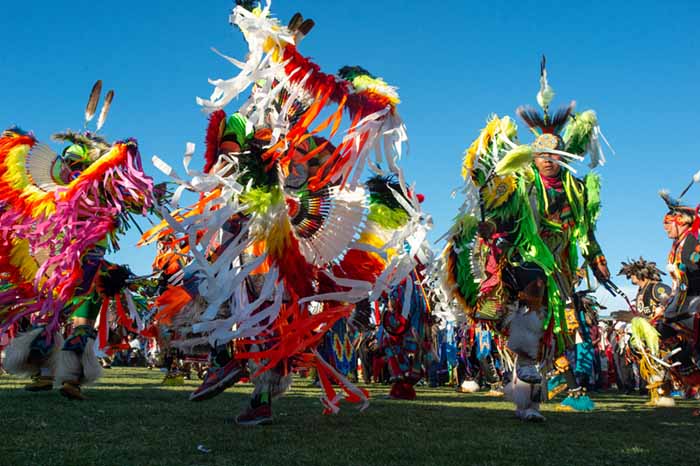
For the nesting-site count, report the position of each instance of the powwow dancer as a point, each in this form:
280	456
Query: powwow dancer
512	255
59	215
283	221
171	258
649	304
404	337
653	293
671	350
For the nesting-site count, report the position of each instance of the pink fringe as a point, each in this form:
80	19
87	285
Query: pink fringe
77	225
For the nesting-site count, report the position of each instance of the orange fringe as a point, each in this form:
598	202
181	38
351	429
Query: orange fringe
170	303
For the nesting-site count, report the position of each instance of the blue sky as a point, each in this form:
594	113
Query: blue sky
455	62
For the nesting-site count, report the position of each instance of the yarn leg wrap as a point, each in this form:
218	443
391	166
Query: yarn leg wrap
29	352
526	330
77	361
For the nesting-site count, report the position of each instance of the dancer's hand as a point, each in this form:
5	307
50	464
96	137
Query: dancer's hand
602	271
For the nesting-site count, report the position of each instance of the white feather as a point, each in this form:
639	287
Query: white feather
39	164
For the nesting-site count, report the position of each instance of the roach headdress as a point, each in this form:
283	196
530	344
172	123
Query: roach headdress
564	132
641	268
544	125
675	204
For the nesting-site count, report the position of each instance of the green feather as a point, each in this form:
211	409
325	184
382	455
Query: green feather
386	217
349	73
515	160
466	223
259	200
239	126
578	132
644	335
463	243
592	181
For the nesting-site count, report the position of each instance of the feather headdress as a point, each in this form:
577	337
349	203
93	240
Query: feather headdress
276	66
642	269
564	133
675	204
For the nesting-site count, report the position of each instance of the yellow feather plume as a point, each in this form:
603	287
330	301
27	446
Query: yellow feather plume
494	126
41	202
278	237
21	258
376	241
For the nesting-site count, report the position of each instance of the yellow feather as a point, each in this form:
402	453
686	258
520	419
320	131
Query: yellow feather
21	258
494	126
15	160
16	176
483	141
278	237
376	241
377	85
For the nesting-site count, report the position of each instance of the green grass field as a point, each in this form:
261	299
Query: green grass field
131	419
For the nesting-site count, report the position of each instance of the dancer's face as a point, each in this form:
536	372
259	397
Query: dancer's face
638	281
674	229
546	166
670	227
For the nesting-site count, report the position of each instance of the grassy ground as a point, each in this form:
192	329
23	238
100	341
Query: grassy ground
131	420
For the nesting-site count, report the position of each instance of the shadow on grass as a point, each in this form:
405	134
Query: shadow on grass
131	420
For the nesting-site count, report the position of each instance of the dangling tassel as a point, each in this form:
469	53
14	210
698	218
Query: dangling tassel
103	328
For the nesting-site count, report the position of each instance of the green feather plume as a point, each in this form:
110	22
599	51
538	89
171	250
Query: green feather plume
578	132
515	160
239	126
349	73
464	275
379	192
592	181
644	335
386	217
466	223
259	200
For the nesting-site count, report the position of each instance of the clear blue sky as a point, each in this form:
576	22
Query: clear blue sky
455	62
